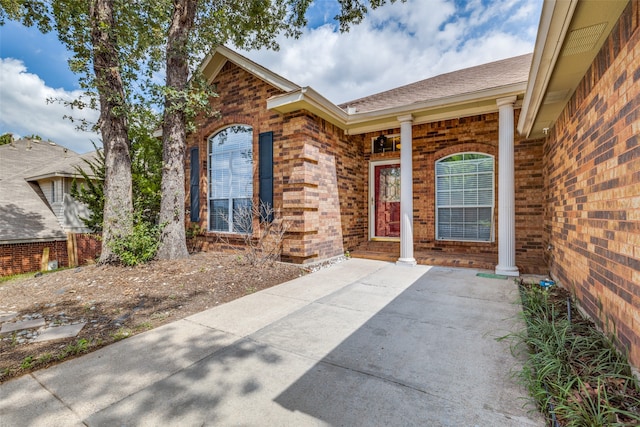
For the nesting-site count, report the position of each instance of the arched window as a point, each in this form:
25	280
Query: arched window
464	197
231	179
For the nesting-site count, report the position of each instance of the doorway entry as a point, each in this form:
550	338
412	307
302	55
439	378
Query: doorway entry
384	200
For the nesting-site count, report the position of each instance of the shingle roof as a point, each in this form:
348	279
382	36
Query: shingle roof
469	80
23	214
63	167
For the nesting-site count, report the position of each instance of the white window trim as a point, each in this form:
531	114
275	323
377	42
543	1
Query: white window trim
493	202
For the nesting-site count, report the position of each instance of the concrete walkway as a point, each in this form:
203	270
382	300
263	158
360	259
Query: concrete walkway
362	343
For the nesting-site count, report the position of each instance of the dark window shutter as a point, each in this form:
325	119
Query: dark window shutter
194	193
265	172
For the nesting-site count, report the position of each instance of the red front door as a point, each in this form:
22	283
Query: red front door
386	200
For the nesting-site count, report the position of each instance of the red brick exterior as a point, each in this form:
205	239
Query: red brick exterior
242	100
433	141
20	258
321	175
592	187
314	168
88	247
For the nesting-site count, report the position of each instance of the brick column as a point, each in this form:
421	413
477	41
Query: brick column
506	191
406	191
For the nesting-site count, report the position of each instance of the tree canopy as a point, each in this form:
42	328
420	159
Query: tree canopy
6	138
121	48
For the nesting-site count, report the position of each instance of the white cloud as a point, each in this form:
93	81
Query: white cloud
396	44
24	109
402	43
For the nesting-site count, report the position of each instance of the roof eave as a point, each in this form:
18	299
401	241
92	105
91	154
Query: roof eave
308	99
465	104
54	175
554	76
555	20
213	63
355	123
56	238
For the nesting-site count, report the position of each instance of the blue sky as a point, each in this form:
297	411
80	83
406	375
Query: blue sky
395	45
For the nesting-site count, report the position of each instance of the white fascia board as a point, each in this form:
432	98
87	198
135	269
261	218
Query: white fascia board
555	20
355	123
54	175
223	54
421	107
464	105
392	122
308	99
59	238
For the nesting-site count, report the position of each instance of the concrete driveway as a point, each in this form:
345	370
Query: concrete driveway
362	343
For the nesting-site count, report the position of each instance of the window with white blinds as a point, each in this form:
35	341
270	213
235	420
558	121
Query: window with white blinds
230	178
465	197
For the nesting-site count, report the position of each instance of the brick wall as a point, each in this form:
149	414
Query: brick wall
321	174
592	183
318	183
88	247
324	188
433	141
242	100
20	258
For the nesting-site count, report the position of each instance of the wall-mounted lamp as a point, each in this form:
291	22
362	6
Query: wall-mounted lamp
381	141
545	131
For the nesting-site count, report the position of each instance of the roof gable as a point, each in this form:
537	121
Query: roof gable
468	91
213	63
24	215
66	167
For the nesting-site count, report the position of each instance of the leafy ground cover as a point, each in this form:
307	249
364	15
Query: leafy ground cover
117	302
574	372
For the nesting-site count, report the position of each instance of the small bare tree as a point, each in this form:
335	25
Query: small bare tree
262	229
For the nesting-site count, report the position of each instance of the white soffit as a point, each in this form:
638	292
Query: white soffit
570	36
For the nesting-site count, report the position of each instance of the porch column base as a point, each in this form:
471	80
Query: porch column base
507	271
409	262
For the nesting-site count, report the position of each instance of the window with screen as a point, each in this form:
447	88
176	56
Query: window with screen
231	179
465	197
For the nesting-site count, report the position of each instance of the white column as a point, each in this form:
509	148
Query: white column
406	191
506	191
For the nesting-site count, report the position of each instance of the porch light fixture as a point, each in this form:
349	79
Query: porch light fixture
381	141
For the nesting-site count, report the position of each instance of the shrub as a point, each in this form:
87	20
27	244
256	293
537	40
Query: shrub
262	230
139	247
573	371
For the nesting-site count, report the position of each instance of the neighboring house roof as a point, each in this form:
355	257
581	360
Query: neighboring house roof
66	167
24	215
570	36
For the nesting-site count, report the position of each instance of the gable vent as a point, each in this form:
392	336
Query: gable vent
583	39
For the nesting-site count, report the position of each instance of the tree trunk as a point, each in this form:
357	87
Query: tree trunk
173	243
118	200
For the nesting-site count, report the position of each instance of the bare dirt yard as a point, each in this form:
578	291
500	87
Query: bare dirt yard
114	303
